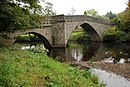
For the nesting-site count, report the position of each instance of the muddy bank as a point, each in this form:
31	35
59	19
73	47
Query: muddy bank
119	69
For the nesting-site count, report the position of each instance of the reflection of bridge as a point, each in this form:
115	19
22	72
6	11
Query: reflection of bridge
56	30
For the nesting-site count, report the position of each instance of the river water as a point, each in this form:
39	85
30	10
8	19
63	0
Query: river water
113	59
95	51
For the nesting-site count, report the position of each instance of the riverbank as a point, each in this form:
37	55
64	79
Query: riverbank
119	69
33	68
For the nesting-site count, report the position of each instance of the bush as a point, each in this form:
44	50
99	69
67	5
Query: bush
125	38
115	34
79	35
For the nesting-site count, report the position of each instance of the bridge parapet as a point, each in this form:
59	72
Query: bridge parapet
46	20
75	18
58	18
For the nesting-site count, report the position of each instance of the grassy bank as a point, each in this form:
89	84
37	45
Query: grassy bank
20	68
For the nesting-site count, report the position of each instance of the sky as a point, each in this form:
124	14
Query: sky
101	6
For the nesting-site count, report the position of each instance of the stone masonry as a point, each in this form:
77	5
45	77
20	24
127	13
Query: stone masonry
57	29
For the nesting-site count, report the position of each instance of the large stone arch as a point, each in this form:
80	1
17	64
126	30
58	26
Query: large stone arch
94	36
95	30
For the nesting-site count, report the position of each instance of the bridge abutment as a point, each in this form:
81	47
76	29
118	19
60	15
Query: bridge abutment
6	42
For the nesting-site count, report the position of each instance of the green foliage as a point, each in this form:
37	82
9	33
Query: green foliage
122	30
48	10
110	15
26	37
91	12
79	35
22	68
15	16
115	34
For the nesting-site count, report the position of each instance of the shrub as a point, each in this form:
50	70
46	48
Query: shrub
115	34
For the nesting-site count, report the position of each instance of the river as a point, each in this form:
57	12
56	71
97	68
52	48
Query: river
112	60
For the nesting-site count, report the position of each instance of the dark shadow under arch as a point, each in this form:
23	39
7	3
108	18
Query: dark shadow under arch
42	38
91	31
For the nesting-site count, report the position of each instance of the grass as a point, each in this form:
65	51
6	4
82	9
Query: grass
25	68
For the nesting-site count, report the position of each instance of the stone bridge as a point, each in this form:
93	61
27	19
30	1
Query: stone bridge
55	31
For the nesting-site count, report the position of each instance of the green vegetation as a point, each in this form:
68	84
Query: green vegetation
114	34
48	10
27	37
121	30
33	68
110	15
79	36
14	15
22	14
91	12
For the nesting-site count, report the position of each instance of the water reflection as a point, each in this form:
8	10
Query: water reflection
77	54
111	79
117	52
96	51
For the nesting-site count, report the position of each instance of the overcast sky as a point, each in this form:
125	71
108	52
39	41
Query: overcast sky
102	6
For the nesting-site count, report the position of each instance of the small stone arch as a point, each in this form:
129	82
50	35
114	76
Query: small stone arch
43	38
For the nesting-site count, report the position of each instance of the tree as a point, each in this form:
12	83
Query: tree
91	12
48	9
122	30
18	14
85	12
110	15
124	18
72	11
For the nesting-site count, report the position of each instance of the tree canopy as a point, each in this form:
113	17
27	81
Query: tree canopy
19	14
48	9
91	12
110	15
122	29
72	11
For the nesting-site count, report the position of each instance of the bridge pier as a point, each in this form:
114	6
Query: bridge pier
58	31
6	42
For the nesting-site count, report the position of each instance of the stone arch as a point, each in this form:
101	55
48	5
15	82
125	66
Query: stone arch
94	36
43	38
88	27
